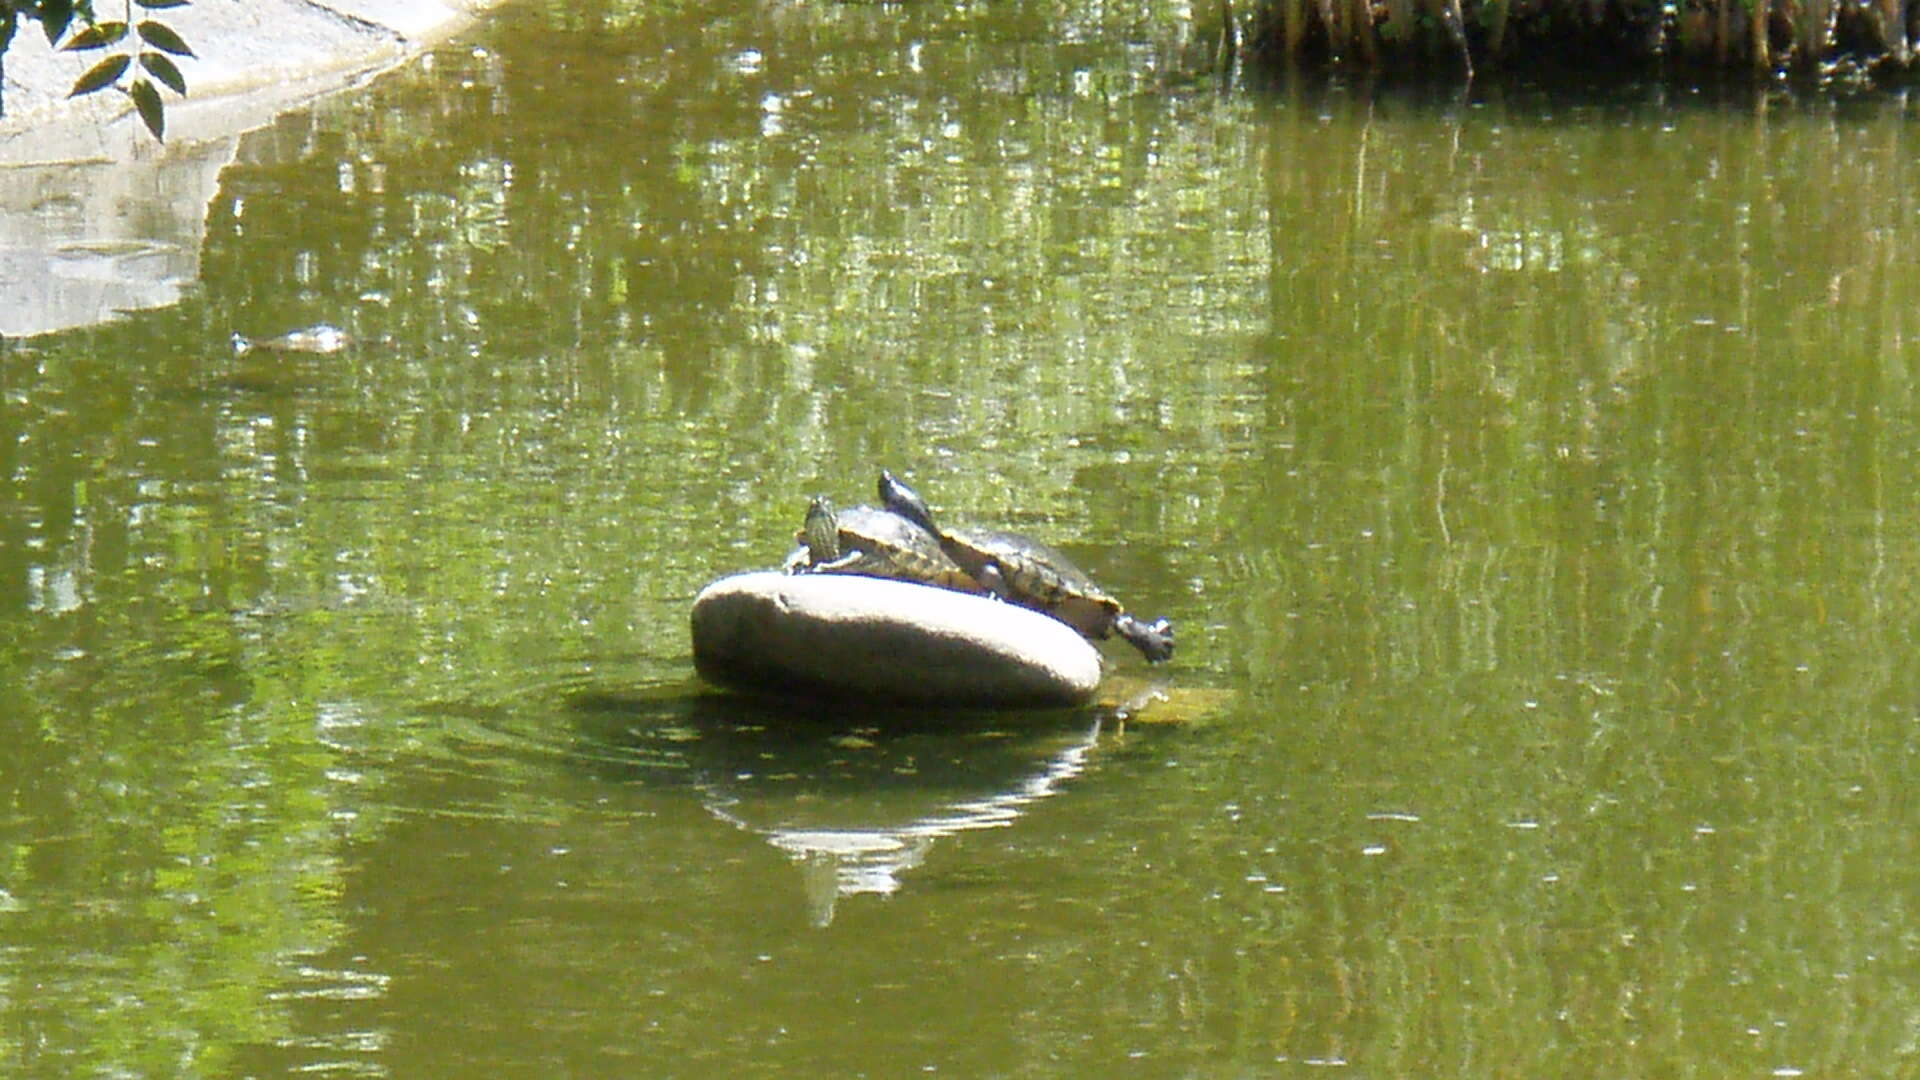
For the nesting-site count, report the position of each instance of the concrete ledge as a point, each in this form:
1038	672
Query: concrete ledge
858	637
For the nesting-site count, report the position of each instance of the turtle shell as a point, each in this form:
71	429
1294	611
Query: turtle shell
1033	575
876	543
1025	571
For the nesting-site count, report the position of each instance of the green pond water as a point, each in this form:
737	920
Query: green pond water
1530	474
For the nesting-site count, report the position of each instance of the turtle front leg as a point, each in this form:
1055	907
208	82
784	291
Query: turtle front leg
861	563
797	560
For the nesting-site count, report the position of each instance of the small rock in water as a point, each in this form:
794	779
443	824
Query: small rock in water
850	636
320	338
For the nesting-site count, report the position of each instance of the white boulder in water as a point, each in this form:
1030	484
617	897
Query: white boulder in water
860	637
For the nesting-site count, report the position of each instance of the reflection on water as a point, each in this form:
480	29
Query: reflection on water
83	243
845	859
854	805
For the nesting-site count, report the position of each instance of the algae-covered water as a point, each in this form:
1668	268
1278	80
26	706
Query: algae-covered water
1530	474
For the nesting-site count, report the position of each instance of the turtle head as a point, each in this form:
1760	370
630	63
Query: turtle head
821	533
1154	639
906	502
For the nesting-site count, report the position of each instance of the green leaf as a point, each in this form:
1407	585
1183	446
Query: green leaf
162	37
163	69
97	36
54	17
156	5
147	100
101	74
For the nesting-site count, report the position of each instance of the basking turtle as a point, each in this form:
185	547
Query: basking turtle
873	543
1029	573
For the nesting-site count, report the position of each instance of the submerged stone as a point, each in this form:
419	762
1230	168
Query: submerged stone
849	636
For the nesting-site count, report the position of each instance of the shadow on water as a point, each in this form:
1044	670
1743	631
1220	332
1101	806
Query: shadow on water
855	794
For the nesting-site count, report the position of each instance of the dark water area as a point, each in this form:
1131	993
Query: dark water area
1530	474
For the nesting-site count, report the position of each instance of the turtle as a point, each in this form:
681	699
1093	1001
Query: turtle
874	543
319	339
1029	573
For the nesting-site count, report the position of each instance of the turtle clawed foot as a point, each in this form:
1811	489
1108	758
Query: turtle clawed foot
1154	639
995	582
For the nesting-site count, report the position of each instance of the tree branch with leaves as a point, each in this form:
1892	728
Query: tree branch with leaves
145	47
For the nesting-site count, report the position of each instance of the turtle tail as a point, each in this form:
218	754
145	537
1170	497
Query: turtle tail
1154	639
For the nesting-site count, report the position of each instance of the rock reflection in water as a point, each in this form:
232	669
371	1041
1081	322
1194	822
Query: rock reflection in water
854	805
83	242
853	857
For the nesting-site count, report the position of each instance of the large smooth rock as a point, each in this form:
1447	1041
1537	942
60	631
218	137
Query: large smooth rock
850	636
